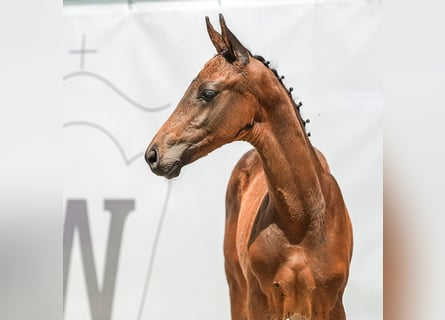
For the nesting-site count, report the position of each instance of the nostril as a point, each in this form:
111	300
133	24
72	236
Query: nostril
152	157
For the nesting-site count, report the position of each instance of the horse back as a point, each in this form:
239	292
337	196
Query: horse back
245	191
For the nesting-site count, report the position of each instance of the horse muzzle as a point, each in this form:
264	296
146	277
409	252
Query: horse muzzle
169	167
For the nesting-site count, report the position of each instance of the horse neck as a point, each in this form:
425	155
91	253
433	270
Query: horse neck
290	165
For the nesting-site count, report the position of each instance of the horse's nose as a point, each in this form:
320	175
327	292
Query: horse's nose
152	157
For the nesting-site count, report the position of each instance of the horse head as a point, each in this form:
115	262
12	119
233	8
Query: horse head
219	106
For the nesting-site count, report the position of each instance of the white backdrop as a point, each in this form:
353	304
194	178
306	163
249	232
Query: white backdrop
125	70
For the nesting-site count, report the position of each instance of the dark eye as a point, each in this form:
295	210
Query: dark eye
208	94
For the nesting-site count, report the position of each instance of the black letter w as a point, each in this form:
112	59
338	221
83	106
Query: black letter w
101	301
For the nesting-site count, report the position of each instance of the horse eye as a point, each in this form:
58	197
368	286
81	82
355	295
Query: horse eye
208	94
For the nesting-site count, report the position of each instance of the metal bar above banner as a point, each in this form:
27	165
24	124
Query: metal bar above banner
219	2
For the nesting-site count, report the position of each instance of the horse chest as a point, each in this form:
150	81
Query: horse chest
266	252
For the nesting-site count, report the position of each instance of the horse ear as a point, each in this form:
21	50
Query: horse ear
236	51
216	38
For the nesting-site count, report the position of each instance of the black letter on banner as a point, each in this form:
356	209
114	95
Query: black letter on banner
101	301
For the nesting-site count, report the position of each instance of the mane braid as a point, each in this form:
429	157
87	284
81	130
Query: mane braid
298	105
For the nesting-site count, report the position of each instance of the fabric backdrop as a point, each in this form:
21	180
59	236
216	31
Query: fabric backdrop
137	246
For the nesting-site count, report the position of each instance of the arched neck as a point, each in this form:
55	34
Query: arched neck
291	167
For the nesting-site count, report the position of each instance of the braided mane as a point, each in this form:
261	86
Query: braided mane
298	105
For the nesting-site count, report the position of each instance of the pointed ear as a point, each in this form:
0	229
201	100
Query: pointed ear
216	38
236	51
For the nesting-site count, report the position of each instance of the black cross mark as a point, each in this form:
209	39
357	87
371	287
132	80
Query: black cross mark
82	51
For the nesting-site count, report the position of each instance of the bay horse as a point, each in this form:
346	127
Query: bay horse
288	235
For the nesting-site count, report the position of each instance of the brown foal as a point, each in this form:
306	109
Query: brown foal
288	237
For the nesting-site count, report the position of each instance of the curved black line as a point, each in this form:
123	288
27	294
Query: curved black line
153	251
115	89
135	157
127	161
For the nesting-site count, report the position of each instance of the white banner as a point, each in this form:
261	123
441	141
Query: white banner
139	247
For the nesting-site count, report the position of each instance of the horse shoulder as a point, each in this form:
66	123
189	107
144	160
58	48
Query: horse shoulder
332	257
337	221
